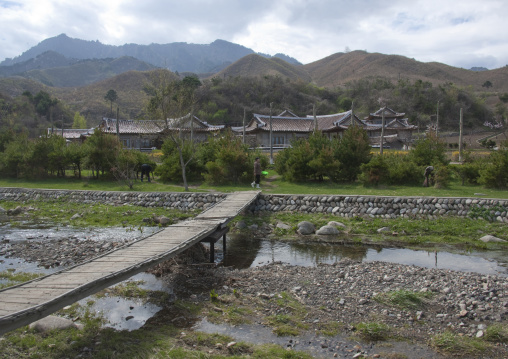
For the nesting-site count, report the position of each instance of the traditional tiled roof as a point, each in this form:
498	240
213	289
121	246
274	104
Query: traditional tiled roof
108	125
325	123
280	124
71	133
287	113
401	124
156	126
334	121
389	113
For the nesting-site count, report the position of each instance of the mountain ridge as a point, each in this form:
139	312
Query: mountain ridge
177	56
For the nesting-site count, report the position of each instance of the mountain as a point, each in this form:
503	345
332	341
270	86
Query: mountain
257	65
54	69
340	68
178	56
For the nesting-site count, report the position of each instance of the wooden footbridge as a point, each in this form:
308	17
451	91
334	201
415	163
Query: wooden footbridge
27	302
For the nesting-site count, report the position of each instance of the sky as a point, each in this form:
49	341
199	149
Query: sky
463	33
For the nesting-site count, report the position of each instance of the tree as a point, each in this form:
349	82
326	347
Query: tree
487	84
429	151
111	96
79	121
102	149
44	103
352	151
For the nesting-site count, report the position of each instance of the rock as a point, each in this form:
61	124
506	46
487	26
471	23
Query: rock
163	220
231	344
52	322
305	228
75	216
15	211
2	210
327	231
337	224
241	225
383	229
283	225
253	227
489	238
479	334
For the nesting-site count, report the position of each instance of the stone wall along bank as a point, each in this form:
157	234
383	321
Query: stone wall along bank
384	207
343	206
181	201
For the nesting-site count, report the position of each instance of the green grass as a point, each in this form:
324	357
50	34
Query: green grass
290	324
463	233
272	183
403	299
97	215
372	331
12	278
453	344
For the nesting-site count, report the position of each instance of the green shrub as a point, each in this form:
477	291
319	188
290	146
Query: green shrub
495	172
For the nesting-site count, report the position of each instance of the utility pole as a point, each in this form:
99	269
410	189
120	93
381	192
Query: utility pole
117	124
352	114
437	119
382	131
271	134
192	124
460	135
244	117
315	119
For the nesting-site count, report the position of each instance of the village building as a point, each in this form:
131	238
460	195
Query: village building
146	135
398	132
287	127
71	135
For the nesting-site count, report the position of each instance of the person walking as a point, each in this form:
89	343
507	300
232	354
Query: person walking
145	170
257	173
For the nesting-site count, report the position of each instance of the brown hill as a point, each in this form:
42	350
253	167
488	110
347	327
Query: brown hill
256	65
338	69
89	100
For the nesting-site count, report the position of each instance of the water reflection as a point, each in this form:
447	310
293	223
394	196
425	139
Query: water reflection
244	251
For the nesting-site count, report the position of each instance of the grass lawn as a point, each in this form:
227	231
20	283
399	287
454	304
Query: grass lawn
271	183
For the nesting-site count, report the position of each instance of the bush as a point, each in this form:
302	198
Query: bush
228	160
429	151
391	169
375	171
171	168
441	176
495	172
352	151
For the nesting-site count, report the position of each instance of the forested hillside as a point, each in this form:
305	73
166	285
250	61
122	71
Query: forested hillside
223	100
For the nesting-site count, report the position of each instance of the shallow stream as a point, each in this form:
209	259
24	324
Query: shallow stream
242	252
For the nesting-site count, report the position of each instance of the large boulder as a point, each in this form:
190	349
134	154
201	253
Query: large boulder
337	224
327	231
305	228
489	238
52	322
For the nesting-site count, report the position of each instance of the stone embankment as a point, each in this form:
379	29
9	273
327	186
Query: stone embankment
180	201
384	207
343	206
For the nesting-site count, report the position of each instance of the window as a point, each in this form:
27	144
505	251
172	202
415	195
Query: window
278	140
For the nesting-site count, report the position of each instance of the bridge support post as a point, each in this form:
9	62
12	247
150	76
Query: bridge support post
214	237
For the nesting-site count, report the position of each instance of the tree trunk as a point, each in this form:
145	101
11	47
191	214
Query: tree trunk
184	165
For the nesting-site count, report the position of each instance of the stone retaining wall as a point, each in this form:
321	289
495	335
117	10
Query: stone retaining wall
377	206
343	206
181	201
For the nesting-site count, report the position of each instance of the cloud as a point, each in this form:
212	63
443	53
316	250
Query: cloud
467	33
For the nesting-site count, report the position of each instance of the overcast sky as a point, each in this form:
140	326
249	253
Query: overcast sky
463	33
